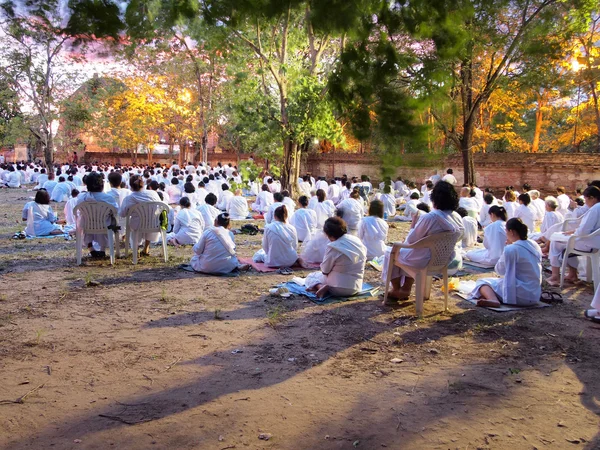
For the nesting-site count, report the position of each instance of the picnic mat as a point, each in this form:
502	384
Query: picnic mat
478	265
261	267
367	291
52	236
503	308
189	268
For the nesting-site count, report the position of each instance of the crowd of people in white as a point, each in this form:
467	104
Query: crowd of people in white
339	223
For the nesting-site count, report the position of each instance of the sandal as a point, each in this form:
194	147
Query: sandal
285	271
551	297
591	313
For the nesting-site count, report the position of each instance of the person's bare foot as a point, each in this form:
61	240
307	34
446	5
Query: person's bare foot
323	290
488	303
399	294
244	267
553	281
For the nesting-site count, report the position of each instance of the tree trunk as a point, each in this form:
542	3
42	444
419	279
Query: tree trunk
49	148
291	166
597	113
538	129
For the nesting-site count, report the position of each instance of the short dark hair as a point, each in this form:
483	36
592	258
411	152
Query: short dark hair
450	171
525	199
211	199
488	199
499	212
593	192
174	180
136	183
462	212
94	182
189	188
225	187
278	196
424	207
516	224
303	200
444	196
281	213
42	197
335	227
376	208
153	185
185	202
74	193
414	196
321	196
115	178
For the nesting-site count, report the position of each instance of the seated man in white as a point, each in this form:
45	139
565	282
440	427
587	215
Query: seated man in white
188	226
521	266
14	178
389	201
410	208
525	212
116	191
238	206
304	220
62	191
41	220
352	211
208	210
226	196
470	224
139	195
95	193
484	217
263	200
373	230
468	201
289	203
494	239
551	219
49	185
277	202
215	251
343	266
280	242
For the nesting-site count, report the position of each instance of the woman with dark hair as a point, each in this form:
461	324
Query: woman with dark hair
188	225
521	267
139	194
41	220
494	239
343	266
590	222
442	218
373	230
323	208
484	217
189	192
526	212
280	242
304	220
352	211
174	191
263	200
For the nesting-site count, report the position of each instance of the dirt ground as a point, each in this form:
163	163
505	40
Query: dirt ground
158	358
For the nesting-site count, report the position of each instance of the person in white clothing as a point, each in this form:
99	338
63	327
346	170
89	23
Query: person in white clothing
494	239
14	178
42	178
51	183
238	206
117	192
389	201
62	191
352	211
289	203
304	220
410	208
263	200
188	226
344	193
467	201
551	218
521	266
373	230
139	195
41	220
322	184
449	177
538	205
484	217
563	201
333	191
343	266
226	196
70	220
590	222
278	201
510	204
208	210
174	191
280	242
442	218
323	208
525	212
470	235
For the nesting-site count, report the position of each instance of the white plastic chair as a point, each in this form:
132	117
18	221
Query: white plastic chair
149	222
441	246
592	270
94	218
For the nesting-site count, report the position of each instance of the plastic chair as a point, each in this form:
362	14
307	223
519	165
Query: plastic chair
91	218
441	246
149	222
592	270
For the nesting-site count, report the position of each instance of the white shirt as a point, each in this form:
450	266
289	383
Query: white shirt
304	221
214	252
188	226
373	231
209	214
280	243
238	208
449	178
494	241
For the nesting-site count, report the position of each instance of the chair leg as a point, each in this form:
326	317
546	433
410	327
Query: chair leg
111	247
445	273
388	277
419	294
563	268
164	245
127	242
428	282
78	248
117	242
134	246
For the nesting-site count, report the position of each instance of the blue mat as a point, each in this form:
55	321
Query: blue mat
52	236
367	291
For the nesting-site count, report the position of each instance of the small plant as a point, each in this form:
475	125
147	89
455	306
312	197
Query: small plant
163	296
276	315
38	336
2	297
218	314
89	280
514	371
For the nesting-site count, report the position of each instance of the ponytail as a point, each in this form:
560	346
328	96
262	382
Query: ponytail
515	224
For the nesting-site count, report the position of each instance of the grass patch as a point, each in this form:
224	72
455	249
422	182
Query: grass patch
276	315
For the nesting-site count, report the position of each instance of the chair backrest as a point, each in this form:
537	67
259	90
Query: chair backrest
441	246
149	215
29	229
93	217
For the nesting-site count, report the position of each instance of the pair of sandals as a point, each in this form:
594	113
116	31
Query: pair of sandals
551	297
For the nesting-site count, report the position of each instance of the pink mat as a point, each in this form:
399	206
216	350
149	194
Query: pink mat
261	267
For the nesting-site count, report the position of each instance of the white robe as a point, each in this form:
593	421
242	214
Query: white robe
226	197
280	243
333	193
343	267
188	226
494	241
389	204
527	216
215	252
521	267
263	201
313	249
470	204
271	212
373	231
539	206
304	221
61	192
352	213
563	204
209	214
470	236
324	210
510	208
133	199
40	219
484	215
238	208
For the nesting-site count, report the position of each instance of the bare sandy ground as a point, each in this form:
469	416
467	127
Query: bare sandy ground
159	358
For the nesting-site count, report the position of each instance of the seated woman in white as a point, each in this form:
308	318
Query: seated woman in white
484	217
422	208
280	242
289	203
442	218
352	211
94	183
551	219
238	206
215	251
323	208
410	208
389	201
41	220
189	192
468	201
173	191
590	222
470	235
188	226
510	204
343	266
494	239
226	196
521	266
208	210
373	230
62	191
263	200
525	212
277	202
304	220
70	221
538	205
139	195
